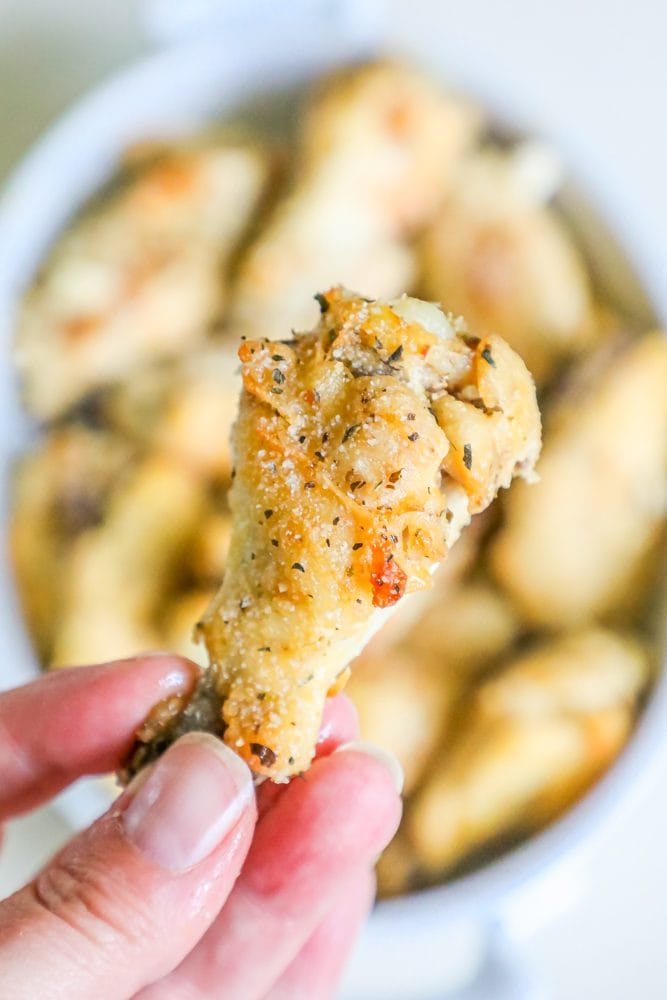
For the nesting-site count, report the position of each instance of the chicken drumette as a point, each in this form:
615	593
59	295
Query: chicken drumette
362	449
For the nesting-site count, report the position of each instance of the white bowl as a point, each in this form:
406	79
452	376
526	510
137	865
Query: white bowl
425	942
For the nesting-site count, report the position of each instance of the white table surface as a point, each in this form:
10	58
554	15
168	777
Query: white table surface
595	71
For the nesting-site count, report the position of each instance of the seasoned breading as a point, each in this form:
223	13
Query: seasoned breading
139	276
345	498
117	574
503	258
570	546
377	151
400	627
59	490
533	739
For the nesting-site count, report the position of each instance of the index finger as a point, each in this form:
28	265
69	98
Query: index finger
77	721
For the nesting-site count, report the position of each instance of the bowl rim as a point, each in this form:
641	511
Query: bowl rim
570	836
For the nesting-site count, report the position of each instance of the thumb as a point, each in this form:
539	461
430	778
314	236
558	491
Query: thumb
123	903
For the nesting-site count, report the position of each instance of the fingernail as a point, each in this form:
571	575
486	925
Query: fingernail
384	757
149	654
192	798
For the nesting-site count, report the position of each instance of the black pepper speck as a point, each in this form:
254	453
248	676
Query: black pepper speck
266	755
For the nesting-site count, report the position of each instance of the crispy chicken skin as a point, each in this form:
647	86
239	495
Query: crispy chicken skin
571	546
352	481
534	738
139	276
378	147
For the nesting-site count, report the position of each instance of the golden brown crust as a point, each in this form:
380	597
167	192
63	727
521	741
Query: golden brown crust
343	501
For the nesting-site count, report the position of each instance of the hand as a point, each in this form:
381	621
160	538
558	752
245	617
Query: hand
190	886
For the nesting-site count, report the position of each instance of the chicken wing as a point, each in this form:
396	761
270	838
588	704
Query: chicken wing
118	573
378	148
59	490
404	701
503	258
407	692
535	737
465	628
352	482
139	276
570	546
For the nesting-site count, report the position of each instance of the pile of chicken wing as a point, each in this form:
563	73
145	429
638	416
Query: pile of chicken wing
512	684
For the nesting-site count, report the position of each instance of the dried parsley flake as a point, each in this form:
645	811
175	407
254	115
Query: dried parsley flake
349	431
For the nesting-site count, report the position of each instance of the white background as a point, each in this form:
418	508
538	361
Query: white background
593	75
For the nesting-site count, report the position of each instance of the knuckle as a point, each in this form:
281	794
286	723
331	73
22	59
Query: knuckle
86	898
